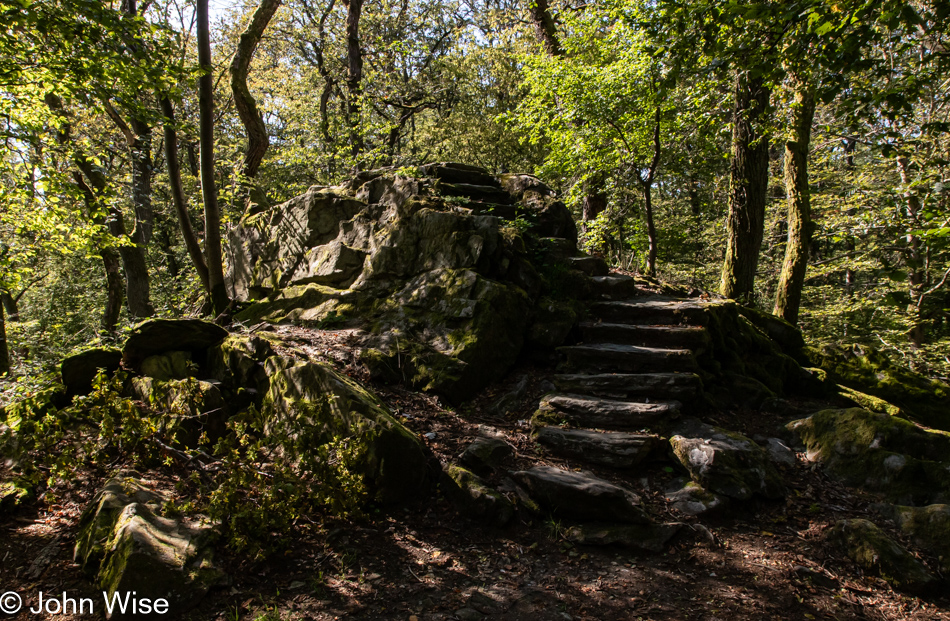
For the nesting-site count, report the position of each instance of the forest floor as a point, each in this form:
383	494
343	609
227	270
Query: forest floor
427	562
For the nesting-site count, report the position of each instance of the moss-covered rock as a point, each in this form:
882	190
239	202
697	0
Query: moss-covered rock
879	453
238	361
158	336
552	324
13	494
728	463
168	366
928	526
194	408
310	404
476	498
870	371
79	370
651	538
125	544
691	498
869	547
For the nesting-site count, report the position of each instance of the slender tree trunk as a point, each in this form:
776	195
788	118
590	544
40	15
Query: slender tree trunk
134	257
354	76
178	193
544	26
10	306
748	189
4	349
647	183
788	298
209	192
915	259
251	117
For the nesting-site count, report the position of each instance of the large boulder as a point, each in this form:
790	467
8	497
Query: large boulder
476	498
126	545
728	463
869	547
928	526
79	370
436	268
879	453
870	371
158	336
309	405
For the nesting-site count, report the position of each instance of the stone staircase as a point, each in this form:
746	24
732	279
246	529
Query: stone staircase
633	371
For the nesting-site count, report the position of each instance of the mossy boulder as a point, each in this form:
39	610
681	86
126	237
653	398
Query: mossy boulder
652	538
928	526
194	408
448	331
872	372
80	369
880	453
869	547
310	405
552	323
728	463
168	366
125	544
691	498
13	494
238	361
158	336
476	498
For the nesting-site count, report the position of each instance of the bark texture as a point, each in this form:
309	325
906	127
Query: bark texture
257	140
354	76
748	189
178	193
788	298
209	192
544	26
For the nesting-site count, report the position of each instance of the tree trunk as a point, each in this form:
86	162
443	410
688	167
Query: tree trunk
647	183
595	201
748	189
10	306
4	349
209	191
915	275
178	193
544	26
354	76
788	298
257	140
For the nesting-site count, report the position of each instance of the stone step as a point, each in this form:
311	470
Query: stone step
616	449
592	266
598	413
680	337
652	310
614	287
580	496
625	358
683	387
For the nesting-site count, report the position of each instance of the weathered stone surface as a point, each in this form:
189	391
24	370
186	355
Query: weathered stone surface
476	498
580	496
640	537
652	310
728	463
13	494
625	358
614	287
614	449
486	452
168	366
453	172
780	453
552	324
870	371
694	338
548	216
314	405
80	369
595	412
690	498
195	407
454	332
682	387
125	545
592	266
880	453
928	526
157	336
238	361
518	184
869	547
